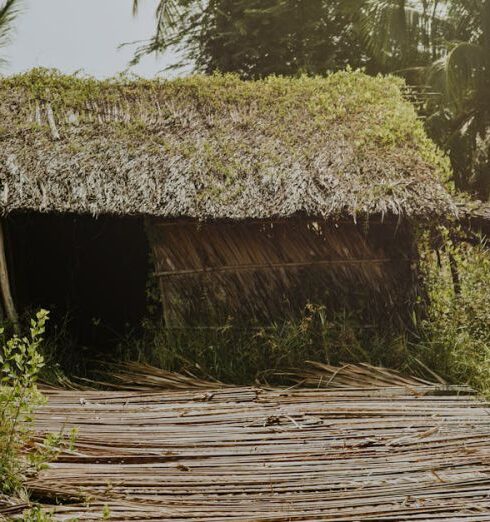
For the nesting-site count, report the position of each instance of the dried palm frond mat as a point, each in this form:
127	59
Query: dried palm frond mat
360	443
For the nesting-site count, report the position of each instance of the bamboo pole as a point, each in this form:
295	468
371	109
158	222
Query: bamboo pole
8	301
277	266
358	443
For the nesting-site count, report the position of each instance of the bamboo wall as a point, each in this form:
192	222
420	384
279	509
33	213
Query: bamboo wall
262	272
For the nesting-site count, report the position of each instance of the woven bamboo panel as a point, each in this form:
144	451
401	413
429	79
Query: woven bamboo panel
262	272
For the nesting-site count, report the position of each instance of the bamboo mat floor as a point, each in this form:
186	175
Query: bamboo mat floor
404	452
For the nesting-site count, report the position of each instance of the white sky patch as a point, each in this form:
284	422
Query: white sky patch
84	35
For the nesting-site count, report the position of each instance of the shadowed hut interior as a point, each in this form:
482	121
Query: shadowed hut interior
90	272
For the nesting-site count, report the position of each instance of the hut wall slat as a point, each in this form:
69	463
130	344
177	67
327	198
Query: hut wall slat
274	266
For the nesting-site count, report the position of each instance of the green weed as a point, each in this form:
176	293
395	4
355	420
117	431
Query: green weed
241	354
454	338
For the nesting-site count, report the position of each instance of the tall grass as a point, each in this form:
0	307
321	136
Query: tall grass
454	339
241	355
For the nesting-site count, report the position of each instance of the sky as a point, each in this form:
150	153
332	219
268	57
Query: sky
74	35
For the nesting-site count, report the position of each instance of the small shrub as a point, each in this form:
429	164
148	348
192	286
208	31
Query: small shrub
20	364
37	514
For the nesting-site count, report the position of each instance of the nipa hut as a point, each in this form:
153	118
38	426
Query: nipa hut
256	198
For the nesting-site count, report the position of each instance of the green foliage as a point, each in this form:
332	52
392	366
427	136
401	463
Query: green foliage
256	38
462	119
61	89
240	355
37	514
20	366
455	337
20	363
400	33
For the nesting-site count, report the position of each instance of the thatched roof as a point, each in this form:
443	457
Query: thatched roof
475	215
216	147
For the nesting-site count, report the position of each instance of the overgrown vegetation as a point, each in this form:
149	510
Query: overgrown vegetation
234	167
241	355
454	339
20	366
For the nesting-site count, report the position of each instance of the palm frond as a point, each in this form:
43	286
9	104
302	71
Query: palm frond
171	17
466	72
135	7
389	27
8	12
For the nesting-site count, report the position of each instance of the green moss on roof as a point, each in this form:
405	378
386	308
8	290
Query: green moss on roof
216	147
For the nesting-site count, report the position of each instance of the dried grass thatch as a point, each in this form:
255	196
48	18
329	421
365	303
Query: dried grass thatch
475	215
131	375
216	147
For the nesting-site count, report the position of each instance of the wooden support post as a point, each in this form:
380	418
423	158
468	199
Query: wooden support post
8	301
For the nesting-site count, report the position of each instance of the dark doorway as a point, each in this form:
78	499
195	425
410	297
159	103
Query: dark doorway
91	270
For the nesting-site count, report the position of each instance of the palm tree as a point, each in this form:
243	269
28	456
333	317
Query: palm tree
447	44
463	76
8	12
400	33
